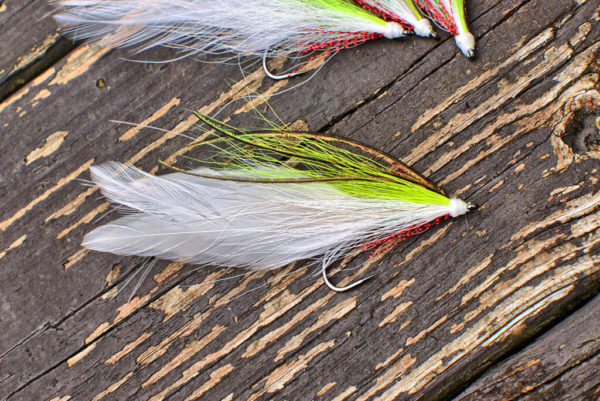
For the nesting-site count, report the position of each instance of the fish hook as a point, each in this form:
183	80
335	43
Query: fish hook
274	76
340	289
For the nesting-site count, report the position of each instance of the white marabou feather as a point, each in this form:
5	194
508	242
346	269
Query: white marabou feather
250	225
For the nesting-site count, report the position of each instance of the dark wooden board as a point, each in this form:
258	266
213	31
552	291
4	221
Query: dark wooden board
561	365
506	131
31	43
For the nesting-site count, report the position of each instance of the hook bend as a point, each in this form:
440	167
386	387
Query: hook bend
340	289
275	76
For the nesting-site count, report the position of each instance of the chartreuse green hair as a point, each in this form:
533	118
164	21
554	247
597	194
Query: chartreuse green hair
354	168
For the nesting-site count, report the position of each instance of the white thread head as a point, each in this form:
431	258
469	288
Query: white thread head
393	30
457	207
423	28
466	43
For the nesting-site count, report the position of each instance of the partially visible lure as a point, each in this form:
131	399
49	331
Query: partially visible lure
402	11
228	27
266	199
449	15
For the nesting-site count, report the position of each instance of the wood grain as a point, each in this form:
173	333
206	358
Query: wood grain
31	43
512	131
560	365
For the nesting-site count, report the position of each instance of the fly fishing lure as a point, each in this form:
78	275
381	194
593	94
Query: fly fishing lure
449	15
266	199
232	27
402	11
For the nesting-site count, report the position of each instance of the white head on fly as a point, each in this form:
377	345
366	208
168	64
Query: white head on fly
450	16
404	12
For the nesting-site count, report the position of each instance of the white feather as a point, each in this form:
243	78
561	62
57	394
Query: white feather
251	225
246	27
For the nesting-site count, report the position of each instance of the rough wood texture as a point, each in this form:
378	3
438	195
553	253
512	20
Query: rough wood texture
31	42
515	131
561	365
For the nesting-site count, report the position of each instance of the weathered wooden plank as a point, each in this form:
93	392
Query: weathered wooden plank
51	196
490	134
560	365
30	43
